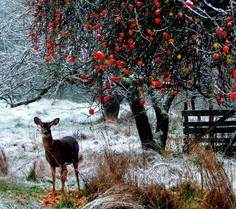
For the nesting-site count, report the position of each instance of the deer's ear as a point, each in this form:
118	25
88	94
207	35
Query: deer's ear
54	122
37	121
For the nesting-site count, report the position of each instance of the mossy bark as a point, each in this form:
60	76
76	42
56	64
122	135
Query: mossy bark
143	125
162	119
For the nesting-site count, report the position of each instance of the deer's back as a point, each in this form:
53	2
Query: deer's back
64	151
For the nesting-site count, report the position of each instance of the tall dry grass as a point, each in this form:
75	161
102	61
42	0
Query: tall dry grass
220	194
115	186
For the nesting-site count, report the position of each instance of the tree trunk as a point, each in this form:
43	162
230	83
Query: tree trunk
112	107
162	125
143	125
162	118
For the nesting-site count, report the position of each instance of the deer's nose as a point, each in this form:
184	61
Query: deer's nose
45	132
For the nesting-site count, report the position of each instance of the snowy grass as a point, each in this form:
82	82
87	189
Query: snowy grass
21	142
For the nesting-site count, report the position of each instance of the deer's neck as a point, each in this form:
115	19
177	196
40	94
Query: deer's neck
47	142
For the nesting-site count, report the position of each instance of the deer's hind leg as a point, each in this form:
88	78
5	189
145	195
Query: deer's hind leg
75	165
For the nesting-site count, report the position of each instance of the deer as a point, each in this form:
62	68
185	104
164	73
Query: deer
59	152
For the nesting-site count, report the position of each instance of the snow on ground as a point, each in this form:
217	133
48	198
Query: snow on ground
20	138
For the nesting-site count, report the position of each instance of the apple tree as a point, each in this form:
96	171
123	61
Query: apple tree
148	50
164	47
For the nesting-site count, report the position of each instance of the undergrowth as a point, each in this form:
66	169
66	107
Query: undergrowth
114	179
114	185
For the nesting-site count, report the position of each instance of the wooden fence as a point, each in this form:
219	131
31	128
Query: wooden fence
211	127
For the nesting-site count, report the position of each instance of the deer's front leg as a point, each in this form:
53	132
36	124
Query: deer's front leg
53	169
63	170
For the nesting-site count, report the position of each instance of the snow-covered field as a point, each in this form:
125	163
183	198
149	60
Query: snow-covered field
21	141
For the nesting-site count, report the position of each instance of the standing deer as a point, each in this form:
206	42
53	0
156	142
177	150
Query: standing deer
59	152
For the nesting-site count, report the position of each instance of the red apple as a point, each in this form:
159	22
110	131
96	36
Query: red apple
187	100
157	20
229	25
157	12
58	19
117	19
98	36
107	85
113	79
234	74
83	76
189	4
103	12
105	99
219	31
225	49
164	34
90	80
58	11
91	111
99	55
233	95
138	4
117	49
234	87
219	101
97	26
36	47
158	59
180	15
48	58
142	101
227	43
216	56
